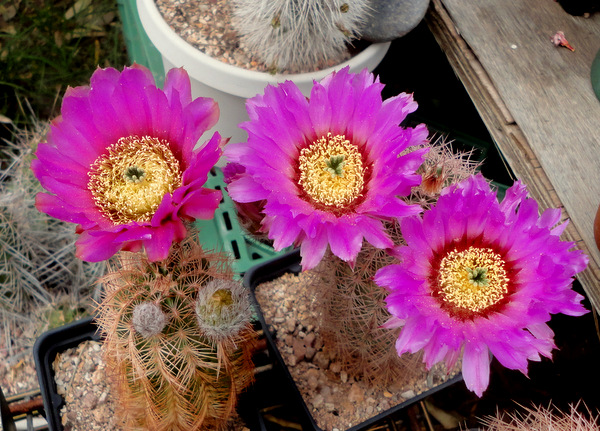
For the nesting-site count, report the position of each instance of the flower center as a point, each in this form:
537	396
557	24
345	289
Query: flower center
222	298
473	279
129	182
134	174
331	171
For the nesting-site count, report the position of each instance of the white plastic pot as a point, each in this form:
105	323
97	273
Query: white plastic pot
229	85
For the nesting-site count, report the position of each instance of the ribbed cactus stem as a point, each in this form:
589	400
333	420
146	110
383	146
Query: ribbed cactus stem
298	35
169	372
353	312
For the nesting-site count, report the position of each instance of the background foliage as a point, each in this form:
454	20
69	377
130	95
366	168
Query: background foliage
47	45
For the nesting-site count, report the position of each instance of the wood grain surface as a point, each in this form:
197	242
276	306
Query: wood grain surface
536	100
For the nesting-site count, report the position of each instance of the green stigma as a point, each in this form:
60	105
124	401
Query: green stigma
478	276
135	175
335	165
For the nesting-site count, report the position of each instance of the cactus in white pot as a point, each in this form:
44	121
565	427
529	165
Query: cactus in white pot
296	35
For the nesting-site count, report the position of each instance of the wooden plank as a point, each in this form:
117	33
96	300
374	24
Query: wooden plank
555	154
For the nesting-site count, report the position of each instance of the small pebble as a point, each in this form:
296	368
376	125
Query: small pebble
321	360
309	339
335	367
290	325
408	394
318	401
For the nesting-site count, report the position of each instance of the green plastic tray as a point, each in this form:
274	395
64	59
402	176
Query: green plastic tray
223	233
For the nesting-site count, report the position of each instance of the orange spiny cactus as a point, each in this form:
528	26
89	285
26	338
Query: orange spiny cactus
442	166
179	355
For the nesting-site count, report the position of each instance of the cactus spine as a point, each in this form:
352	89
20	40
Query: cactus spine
169	373
298	35
42	283
543	417
352	314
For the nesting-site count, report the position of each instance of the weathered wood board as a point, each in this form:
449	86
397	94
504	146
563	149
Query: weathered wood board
535	98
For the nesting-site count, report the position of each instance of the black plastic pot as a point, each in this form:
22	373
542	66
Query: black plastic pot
260	396
290	263
45	350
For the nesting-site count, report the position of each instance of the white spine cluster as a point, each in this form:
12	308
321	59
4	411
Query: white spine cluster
148	319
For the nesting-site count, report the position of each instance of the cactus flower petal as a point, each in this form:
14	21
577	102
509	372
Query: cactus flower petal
487	285
120	162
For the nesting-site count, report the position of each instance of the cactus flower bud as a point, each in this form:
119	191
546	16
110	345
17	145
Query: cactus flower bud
222	308
148	319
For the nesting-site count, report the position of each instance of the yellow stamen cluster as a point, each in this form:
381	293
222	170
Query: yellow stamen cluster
129	182
332	171
473	279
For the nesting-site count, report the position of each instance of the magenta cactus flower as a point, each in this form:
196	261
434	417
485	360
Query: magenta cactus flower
481	277
330	168
121	162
